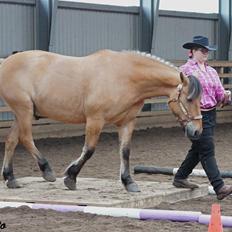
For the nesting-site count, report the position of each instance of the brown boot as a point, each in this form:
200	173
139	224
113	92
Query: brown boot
184	183
224	191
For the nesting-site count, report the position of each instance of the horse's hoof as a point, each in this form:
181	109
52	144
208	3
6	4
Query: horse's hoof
70	183
12	184
49	176
132	187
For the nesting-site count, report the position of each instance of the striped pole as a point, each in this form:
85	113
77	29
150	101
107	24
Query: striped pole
142	214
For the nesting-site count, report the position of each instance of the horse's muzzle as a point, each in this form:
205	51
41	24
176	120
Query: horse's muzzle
191	132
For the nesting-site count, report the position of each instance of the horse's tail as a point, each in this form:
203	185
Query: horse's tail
1	61
1	73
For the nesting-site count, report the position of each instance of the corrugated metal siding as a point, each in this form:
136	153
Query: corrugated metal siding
17	32
95	28
91	30
16	27
4	116
176	28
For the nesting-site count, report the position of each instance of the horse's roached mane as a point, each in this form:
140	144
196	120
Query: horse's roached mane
194	85
195	88
156	58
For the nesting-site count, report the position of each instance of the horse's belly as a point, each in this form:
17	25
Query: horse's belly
78	119
66	115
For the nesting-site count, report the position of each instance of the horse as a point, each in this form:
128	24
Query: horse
106	87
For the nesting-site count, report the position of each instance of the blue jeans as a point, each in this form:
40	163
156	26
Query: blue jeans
202	150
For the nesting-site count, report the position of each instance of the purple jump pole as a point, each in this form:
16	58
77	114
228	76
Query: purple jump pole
142	214
226	220
182	216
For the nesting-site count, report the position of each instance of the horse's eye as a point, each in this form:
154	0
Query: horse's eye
189	100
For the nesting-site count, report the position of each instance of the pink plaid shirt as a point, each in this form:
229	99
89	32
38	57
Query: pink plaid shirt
212	89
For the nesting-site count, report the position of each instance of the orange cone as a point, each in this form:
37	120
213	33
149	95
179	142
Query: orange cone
215	223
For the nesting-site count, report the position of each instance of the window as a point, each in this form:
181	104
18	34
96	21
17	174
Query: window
200	6
111	2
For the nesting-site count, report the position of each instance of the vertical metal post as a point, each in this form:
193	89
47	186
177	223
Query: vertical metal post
224	30
54	8
149	10
42	24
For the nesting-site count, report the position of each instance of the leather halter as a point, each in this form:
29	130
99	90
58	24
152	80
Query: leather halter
183	108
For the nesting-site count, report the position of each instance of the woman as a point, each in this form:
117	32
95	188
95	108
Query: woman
213	94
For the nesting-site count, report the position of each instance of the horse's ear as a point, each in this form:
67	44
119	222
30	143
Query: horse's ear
184	79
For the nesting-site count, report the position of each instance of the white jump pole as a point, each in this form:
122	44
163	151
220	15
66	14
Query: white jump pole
195	172
142	214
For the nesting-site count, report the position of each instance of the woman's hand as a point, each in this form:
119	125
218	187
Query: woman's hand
227	98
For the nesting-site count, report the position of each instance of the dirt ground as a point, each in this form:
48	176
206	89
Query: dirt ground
157	146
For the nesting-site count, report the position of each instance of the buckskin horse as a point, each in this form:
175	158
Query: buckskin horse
101	88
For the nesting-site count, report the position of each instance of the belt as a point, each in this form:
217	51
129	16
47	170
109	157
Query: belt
208	109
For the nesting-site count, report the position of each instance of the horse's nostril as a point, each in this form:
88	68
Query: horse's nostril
196	134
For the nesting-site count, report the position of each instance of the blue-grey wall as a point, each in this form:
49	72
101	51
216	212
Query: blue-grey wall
79	29
176	28
16	26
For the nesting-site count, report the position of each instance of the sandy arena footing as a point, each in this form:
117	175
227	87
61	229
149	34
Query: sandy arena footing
97	192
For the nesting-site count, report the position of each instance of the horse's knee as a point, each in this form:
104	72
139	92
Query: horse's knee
25	141
11	143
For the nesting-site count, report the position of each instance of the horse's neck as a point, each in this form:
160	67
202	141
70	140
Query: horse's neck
159	83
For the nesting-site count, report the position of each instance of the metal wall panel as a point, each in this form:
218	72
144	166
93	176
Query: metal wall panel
81	29
16	26
176	28
16	30
4	116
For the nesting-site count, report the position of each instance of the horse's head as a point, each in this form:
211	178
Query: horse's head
185	105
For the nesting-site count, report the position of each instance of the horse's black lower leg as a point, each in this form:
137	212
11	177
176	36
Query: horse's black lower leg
9	178
75	167
126	178
46	170
7	169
